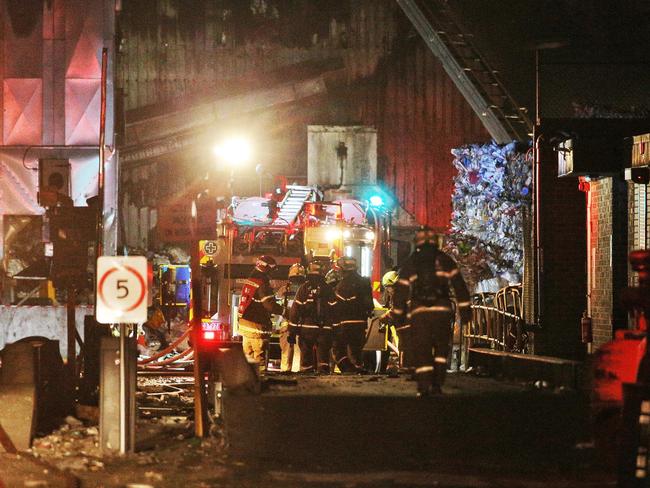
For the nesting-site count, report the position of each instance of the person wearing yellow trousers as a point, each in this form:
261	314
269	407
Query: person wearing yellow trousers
256	306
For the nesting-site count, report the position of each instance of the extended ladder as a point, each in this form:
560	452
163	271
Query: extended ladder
500	114
292	203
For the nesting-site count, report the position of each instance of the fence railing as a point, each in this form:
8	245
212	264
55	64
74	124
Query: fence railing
497	321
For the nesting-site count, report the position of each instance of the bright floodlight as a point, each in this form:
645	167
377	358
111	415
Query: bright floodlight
234	151
376	201
333	234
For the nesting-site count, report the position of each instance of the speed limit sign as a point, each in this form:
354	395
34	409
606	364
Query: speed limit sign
121	289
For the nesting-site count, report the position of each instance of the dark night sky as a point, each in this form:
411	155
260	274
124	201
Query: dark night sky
508	31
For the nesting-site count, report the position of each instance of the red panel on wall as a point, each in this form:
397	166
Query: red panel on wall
82	105
83	39
23	111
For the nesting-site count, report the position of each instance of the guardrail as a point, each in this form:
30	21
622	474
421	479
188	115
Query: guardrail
497	321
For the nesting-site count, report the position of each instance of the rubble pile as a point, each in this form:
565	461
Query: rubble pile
73	446
492	192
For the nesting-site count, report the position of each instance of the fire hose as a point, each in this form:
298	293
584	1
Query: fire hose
172	359
167	350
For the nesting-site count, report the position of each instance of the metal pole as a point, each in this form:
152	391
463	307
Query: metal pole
200	407
123	392
72	340
102	157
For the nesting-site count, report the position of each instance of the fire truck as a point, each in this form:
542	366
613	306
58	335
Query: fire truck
294	225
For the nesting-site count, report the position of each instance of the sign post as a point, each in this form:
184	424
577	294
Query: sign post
121	299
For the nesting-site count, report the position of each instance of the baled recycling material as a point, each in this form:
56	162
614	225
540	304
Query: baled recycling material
492	193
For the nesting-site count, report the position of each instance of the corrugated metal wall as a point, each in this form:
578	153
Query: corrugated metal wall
50	71
420	117
50	77
390	79
173	48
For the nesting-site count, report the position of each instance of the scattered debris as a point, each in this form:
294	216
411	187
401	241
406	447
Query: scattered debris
492	193
72	421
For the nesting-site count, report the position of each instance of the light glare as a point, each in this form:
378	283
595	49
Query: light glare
333	234
234	151
376	201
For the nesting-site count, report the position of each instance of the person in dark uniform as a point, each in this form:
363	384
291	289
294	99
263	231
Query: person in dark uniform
311	319
256	306
422	300
354	305
297	277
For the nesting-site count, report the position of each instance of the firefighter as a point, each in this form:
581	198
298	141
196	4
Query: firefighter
422	301
379	361
310	317
388	282
255	308
354	304
297	276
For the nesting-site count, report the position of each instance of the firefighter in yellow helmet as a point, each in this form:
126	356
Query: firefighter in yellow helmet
381	333
388	282
297	276
423	307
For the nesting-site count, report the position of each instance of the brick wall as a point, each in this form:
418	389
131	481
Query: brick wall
608	250
599	248
639	221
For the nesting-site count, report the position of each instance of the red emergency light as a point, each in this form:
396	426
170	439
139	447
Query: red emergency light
212	332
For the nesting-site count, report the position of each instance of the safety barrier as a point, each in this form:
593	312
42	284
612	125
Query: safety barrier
497	321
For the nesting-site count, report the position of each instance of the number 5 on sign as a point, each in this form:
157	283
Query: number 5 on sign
121	289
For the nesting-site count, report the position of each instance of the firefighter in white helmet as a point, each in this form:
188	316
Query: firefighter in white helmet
256	306
423	307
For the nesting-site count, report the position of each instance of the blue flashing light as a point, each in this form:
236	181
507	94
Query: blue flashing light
376	201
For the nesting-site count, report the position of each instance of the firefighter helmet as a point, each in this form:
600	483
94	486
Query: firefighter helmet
297	271
389	279
316	268
266	264
333	276
346	263
425	235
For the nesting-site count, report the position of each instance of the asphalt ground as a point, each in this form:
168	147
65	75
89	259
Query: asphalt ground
353	431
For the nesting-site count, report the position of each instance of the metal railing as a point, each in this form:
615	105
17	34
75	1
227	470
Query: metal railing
497	321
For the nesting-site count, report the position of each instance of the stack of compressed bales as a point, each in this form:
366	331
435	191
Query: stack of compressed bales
492	192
